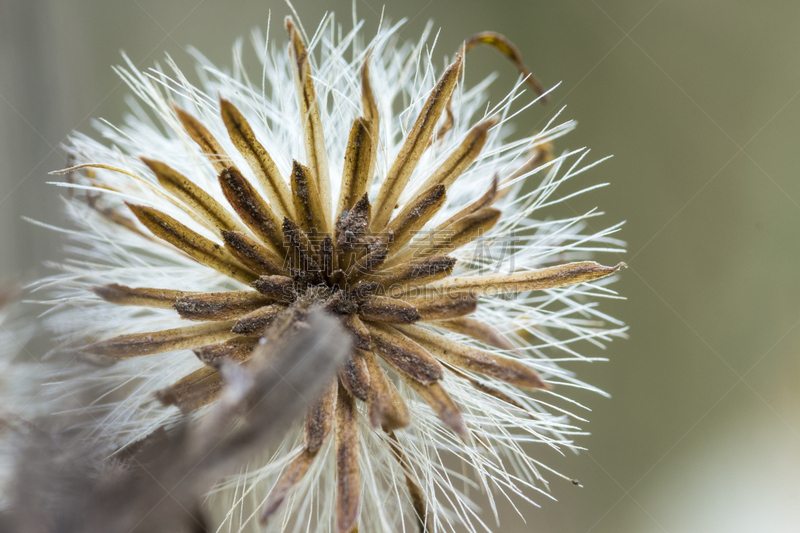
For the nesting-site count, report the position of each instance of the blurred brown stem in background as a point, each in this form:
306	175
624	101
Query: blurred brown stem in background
159	486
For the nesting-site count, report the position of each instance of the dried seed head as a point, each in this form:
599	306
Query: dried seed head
263	212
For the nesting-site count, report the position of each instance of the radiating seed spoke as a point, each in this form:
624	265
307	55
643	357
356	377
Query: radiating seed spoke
387	409
456	235
199	248
208	144
348	477
136	344
358	165
475	329
140	297
308	207
354	375
259	160
194	391
388	310
316	153
202	203
256	322
414	216
219	305
405	354
253	254
251	207
238	349
400	172
460	355
444	308
545	278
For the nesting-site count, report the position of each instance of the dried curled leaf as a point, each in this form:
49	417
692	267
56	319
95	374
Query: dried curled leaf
507	48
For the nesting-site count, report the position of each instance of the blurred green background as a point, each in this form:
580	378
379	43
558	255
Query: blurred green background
698	103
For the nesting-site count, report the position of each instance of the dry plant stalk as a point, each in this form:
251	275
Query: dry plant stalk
158	485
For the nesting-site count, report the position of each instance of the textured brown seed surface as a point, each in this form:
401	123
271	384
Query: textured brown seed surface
405	354
255	322
219	305
456	235
320	419
237	350
484	201
257	157
141	297
462	157
192	392
193	196
136	344
387	409
280	288
348	477
414	216
199	248
389	310
316	153
358	165
207	143
358	331
439	401
251	207
291	476
411	277
308	207
545	278
400	172
354	375
253	254
370	110
445	307
475	360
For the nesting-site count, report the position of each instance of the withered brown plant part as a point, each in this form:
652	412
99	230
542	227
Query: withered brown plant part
393	294
158	485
